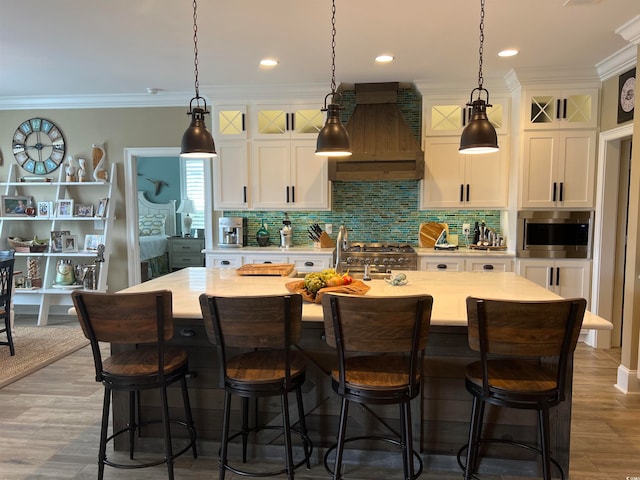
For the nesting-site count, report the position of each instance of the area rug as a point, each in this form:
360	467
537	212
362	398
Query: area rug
37	347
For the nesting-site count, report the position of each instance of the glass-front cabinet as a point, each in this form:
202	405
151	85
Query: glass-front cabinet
230	122
449	116
552	109
286	121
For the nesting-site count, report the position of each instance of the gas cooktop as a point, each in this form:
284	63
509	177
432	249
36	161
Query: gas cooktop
381	257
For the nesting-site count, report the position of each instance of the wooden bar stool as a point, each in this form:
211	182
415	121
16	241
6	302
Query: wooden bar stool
143	320
380	343
264	328
525	348
6	291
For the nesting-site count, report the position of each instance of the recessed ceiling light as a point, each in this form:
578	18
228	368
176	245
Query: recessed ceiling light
384	58
508	52
268	62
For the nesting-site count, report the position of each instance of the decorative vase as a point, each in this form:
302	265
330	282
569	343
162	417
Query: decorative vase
64	272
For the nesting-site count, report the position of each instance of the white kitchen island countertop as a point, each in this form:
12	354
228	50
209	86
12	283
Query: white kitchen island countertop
449	290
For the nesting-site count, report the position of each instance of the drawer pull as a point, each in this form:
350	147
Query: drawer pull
442	266
308	264
187	332
487	267
225	262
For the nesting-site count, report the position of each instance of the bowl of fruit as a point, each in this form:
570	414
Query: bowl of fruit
315	284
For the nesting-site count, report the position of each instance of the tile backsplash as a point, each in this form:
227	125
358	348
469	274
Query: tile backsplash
372	211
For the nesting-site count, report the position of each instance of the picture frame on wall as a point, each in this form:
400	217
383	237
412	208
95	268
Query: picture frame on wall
64	208
15	205
626	95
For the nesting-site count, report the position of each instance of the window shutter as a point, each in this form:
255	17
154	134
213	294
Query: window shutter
193	187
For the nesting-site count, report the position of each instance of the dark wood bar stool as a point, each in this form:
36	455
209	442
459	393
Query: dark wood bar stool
380	343
525	349
6	290
263	328
143	320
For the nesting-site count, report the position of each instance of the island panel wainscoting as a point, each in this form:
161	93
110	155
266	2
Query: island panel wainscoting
441	412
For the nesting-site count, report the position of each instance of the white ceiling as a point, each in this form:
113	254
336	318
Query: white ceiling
94	48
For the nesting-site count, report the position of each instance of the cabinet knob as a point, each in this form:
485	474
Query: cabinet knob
442	266
487	267
308	264
187	332
225	262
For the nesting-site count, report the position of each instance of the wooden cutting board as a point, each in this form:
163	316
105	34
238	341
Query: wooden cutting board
429	233
266	269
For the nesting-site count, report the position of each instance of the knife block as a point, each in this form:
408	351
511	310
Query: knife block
326	241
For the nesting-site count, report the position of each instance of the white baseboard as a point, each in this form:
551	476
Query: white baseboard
628	382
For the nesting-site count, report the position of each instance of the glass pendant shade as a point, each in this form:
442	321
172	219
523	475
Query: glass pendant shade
197	141
479	136
333	139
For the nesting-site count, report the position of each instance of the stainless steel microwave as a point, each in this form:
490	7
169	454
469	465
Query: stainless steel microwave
554	234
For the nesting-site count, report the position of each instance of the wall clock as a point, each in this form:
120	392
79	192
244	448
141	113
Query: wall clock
38	146
626	95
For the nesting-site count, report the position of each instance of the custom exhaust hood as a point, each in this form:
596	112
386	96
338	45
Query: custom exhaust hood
383	145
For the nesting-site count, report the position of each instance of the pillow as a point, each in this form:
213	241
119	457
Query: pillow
152	224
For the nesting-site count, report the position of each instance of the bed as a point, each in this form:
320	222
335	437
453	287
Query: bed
156	223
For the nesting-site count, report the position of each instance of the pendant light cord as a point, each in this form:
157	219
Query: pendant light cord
333	48
481	49
195	48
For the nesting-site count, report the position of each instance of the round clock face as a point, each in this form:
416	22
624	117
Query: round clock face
38	146
627	94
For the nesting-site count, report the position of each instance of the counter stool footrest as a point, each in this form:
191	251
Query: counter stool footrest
393	441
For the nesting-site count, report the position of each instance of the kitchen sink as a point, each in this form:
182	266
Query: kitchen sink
355	275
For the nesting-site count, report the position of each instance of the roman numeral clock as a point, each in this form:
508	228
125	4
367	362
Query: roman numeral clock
38	146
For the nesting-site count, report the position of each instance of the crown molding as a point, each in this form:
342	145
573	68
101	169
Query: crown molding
621	61
630	31
234	93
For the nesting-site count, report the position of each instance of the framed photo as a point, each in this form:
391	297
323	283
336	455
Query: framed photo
91	242
45	209
102	208
69	243
15	206
626	95
64	208
80	210
56	239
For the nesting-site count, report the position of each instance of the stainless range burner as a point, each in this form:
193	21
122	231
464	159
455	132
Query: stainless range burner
381	257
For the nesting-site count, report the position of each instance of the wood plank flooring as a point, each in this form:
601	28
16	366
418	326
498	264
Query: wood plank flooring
49	425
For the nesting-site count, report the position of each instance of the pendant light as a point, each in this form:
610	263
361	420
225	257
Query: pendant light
333	139
479	136
197	141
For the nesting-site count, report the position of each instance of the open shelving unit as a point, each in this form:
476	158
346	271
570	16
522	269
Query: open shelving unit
26	227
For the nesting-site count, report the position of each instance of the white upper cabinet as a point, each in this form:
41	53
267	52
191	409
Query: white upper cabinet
453	180
558	169
287	175
553	108
449	116
301	121
231	176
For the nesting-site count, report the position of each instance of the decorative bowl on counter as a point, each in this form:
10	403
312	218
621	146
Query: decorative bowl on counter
355	288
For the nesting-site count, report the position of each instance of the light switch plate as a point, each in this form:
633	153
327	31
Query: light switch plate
466	228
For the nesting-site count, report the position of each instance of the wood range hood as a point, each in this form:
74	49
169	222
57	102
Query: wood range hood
383	145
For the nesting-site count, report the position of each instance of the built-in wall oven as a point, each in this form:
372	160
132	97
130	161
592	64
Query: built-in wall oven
554	233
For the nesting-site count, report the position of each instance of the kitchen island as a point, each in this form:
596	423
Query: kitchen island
444	407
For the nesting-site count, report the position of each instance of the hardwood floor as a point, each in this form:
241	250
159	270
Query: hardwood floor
49	425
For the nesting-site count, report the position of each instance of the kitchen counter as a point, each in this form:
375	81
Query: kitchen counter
440	422
273	249
466	252
449	290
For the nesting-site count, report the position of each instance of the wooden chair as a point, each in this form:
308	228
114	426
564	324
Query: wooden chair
6	291
264	328
525	348
143	321
380	343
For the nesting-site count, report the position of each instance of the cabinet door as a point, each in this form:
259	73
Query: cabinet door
231	176
553	109
573	278
309	177
538	172
577	157
486	178
230	122
271	174
538	271
443	184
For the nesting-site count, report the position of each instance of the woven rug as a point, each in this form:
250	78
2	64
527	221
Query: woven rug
37	347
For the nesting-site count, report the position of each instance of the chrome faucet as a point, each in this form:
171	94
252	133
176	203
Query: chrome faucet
342	244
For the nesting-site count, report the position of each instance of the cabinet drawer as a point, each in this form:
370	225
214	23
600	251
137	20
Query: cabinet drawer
231	261
266	259
442	264
311	264
184	245
491	265
179	260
